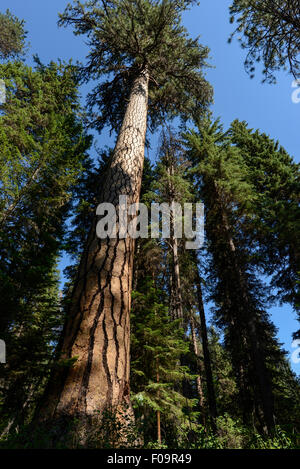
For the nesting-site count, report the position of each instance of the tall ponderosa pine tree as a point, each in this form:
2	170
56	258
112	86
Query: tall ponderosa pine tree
150	65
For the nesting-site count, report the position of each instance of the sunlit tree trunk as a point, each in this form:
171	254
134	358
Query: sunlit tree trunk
97	332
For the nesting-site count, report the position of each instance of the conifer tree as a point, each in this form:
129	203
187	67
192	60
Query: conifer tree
271	33
13	36
30	344
172	186
150	67
43	150
157	346
275	213
203	333
43	147
237	293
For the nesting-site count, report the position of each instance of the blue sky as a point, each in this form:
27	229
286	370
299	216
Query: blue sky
266	107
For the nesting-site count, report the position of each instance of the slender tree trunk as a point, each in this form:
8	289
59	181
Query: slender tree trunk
177	310
97	332
158	411
199	371
176	295
206	353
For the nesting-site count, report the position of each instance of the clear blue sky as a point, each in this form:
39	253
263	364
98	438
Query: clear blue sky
266	107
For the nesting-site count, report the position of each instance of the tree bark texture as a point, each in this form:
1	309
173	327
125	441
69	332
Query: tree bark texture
97	331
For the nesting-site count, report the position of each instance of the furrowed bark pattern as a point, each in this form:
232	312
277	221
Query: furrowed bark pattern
97	331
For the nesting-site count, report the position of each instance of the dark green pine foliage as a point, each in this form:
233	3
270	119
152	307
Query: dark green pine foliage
221	177
30	348
275	220
43	151
156	349
127	37
12	36
271	34
225	384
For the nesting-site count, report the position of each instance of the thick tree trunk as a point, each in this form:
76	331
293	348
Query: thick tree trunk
97	332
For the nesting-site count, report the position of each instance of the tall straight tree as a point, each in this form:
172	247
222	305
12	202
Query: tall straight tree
43	152
221	176
150	64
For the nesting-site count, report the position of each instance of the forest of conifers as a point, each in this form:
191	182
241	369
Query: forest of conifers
149	344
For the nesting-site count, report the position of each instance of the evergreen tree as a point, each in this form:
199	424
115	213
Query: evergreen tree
30	344
157	346
202	329
271	33
43	147
275	214
43	150
13	36
149	63
249	335
172	186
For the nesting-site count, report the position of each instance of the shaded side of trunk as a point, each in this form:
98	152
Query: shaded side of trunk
96	335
